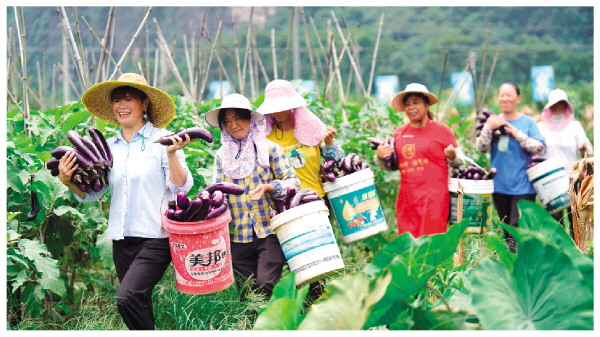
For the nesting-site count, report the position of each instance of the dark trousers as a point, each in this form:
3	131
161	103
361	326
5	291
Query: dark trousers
506	205
262	259
140	264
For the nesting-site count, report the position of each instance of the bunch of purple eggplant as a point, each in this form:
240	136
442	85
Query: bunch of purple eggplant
294	198
391	162
536	160
94	160
331	169
194	133
473	172
481	119
210	203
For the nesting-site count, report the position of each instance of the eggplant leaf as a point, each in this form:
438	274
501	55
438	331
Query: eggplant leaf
544	291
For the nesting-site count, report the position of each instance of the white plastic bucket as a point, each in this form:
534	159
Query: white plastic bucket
356	206
307	241
477	203
551	182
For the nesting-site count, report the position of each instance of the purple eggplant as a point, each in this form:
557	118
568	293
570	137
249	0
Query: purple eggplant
182	200
486	112
374	143
170	214
81	147
99	160
179	215
217	198
226	187
52	163
82	161
193	132
196	205
290	193
328	164
479	126
214	212
295	200
101	144
272	213
329	176
280	205
306	198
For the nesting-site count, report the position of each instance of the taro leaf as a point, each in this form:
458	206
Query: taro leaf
437	320
283	310
412	264
346	302
496	244
48	267
544	291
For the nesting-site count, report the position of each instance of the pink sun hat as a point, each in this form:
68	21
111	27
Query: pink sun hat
280	96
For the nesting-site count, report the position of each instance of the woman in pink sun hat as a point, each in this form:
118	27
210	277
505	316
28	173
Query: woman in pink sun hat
304	138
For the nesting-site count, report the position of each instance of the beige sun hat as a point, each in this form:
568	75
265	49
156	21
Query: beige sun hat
97	100
556	96
280	96
231	101
416	88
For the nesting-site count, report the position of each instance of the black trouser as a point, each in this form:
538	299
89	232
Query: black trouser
262	258
506	205
140	264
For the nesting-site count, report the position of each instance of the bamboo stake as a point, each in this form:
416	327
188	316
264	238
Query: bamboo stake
188	63
247	55
20	22
309	49
137	32
459	257
40	86
104	50
53	87
167	52
274	54
69	34
437	109
102	43
251	69
218	39
339	78
147	51
336	64
352	62
69	81
288	43
12	98
84	67
453	95
479	99
238	68
321	48
198	71
487	84
375	51
259	60
65	75
212	52
156	63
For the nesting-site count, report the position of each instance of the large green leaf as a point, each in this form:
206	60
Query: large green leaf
544	291
414	264
283	310
48	267
438	320
73	120
346	303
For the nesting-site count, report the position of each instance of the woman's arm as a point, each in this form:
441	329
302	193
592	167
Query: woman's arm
483	143
178	175
330	148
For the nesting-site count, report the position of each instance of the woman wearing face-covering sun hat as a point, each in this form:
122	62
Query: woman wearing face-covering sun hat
302	135
144	176
260	166
425	150
565	137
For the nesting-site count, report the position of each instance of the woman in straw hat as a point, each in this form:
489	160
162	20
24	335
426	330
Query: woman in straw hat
564	136
305	139
260	166
424	148
143	176
510	155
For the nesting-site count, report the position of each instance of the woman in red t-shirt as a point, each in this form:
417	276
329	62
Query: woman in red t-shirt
424	148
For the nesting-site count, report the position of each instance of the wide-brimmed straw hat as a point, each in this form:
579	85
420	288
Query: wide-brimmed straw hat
280	96
556	96
231	101
398	103
161	109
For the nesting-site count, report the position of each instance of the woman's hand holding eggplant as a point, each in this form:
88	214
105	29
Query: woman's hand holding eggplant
384	151
66	167
178	143
495	121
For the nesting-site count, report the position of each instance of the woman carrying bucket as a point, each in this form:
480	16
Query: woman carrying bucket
564	136
143	173
260	166
424	148
305	139
510	155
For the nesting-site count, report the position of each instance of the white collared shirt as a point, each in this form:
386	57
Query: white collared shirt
139	184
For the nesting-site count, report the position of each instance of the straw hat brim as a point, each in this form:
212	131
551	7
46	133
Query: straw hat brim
212	116
273	105
399	105
97	101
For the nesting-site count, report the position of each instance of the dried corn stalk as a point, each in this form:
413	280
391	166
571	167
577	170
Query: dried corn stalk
581	191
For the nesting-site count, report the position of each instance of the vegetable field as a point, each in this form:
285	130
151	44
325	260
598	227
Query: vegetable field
60	274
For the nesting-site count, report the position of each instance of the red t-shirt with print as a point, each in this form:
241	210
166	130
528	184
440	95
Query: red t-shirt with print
423	199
